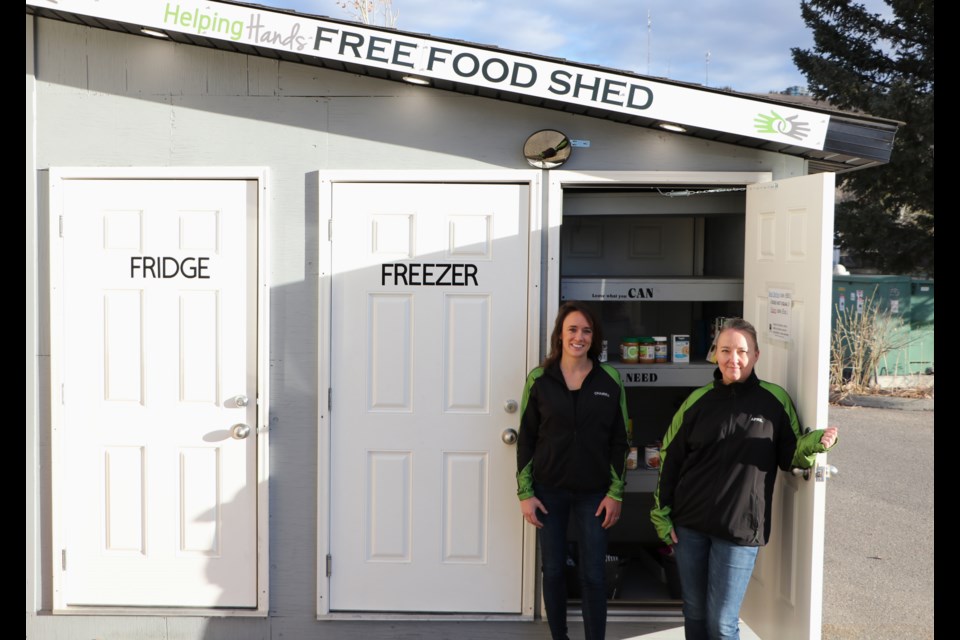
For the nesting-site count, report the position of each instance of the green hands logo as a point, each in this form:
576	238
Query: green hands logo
775	123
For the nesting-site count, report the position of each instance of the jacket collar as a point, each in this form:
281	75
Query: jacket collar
737	388
554	371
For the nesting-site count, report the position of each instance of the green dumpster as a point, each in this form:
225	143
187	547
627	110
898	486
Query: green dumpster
921	326
894	295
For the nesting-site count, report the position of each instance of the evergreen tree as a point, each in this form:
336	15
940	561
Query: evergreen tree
883	67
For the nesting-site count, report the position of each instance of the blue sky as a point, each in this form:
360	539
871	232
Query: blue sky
749	40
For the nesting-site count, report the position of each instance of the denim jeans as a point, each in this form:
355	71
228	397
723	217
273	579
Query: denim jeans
714	575
592	538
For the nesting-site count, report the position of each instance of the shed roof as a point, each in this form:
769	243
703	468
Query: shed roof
831	140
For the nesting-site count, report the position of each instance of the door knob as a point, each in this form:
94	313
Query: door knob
240	400
239	431
509	436
826	471
510	406
821	472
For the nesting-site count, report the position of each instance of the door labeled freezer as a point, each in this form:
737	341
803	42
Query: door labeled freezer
428	351
786	295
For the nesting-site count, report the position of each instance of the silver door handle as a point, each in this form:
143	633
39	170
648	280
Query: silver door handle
509	436
239	431
240	400
826	471
822	472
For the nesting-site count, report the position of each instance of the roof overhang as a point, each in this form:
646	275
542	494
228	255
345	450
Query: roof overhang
831	140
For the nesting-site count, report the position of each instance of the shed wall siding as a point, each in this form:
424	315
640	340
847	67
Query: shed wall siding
107	99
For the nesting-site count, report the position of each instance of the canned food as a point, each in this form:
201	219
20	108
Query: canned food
651	456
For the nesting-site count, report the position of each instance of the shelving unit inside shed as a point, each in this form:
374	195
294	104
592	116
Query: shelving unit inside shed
652	261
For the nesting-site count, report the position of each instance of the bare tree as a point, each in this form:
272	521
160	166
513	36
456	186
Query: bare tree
366	11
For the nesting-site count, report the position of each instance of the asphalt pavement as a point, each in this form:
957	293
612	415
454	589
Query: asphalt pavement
879	556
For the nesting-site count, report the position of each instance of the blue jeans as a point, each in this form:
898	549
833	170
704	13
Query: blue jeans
714	575
592	539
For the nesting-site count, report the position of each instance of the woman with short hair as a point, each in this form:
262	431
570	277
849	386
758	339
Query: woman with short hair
718	465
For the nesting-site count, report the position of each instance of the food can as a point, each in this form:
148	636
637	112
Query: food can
651	456
632	458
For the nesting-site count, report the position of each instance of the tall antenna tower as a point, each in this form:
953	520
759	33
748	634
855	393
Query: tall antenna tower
649	28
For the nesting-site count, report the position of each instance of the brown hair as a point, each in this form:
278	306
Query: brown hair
556	338
739	324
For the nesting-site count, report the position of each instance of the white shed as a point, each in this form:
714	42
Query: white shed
285	276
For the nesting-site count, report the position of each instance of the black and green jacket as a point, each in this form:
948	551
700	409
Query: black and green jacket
582	445
719	460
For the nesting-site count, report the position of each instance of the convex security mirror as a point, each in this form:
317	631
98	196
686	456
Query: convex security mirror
546	149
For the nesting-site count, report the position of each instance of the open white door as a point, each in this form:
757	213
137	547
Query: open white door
786	295
155	484
428	350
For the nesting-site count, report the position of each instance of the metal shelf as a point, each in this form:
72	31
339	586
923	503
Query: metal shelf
641	480
651	289
695	374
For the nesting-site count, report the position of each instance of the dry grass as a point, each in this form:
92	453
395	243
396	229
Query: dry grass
839	393
861	339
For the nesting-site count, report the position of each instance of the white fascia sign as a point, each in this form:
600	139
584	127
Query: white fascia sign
462	63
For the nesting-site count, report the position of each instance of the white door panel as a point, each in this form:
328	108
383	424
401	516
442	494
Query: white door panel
158	501
429	342
788	248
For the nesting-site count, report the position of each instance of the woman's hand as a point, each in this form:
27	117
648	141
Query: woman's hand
829	437
529	509
611	510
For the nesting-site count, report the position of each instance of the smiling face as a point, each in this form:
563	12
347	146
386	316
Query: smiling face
577	335
736	355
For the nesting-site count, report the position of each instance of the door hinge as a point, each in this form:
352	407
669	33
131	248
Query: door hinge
60	226
330	229
63	559
329	399
329	565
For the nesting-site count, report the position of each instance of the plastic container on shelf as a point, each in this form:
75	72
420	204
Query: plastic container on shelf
660	350
647	351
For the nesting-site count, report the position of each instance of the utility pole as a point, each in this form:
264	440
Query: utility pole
706	66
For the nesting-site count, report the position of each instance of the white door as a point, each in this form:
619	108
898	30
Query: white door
156	490
429	342
786	295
